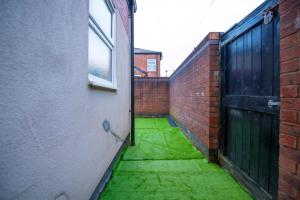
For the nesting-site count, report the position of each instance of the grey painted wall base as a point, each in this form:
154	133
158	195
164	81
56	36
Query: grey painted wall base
152	115
211	155
106	177
172	122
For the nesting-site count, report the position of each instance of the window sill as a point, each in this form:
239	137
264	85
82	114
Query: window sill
94	84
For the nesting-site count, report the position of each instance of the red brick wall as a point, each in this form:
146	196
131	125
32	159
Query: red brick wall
195	94
140	60
289	159
151	96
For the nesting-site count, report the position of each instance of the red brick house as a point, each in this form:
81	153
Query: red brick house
147	63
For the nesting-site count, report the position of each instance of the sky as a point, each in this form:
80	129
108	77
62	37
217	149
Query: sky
175	27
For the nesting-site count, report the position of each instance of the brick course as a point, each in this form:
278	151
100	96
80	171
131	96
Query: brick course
289	139
195	94
151	96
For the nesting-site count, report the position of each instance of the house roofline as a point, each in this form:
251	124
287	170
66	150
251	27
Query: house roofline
141	70
140	51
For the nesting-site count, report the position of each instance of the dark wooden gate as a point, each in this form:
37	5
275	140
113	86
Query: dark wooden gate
250	98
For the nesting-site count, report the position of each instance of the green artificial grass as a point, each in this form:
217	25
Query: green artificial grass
164	165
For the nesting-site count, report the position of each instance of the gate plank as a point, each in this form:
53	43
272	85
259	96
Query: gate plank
264	150
267	61
239	65
230	138
239	138
274	158
246	140
232	69
256	59
276	75
254	146
247	72
275	133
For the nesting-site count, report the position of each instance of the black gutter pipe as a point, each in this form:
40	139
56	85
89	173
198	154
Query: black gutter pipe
132	133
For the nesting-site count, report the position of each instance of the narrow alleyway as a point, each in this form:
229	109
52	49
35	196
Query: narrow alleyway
165	165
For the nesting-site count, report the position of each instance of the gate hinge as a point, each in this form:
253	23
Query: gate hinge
269	14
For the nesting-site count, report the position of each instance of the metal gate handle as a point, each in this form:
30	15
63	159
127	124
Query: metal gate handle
271	103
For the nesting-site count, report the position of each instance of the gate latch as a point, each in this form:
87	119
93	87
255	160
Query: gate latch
271	103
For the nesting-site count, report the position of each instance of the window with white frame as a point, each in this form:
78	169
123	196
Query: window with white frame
101	67
151	65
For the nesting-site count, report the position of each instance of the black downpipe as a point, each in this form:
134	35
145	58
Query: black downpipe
132	135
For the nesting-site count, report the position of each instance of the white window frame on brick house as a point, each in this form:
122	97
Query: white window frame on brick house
151	65
103	33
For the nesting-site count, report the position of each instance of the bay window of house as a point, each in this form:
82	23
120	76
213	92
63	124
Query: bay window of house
101	62
151	65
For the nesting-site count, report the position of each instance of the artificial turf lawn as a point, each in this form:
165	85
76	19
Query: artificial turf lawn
164	165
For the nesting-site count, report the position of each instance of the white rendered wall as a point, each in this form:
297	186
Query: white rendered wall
52	141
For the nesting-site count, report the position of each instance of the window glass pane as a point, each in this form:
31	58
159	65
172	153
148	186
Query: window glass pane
151	65
99	57
102	15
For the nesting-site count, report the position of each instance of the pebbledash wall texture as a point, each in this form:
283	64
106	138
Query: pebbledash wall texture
289	159
52	143
195	95
151	96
